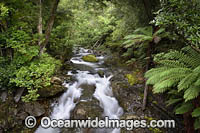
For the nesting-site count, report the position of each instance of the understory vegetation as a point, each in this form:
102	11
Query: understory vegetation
161	37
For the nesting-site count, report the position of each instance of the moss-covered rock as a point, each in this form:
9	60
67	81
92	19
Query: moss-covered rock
51	91
131	79
90	58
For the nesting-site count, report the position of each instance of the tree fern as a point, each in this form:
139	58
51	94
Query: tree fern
184	108
191	93
178	73
141	38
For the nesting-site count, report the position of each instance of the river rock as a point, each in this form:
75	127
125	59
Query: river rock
90	58
50	91
90	108
34	109
100	73
22	115
56	80
87	92
18	94
3	95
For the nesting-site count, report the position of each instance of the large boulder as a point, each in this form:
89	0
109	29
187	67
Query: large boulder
34	109
51	90
90	58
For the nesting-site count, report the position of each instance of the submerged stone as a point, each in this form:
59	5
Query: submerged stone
90	58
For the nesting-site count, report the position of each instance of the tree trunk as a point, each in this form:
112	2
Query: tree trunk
40	23
149	52
148	8
49	27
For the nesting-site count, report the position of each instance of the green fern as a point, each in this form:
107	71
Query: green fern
142	36
178	73
139	41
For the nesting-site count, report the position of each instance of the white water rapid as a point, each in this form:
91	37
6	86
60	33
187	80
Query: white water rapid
103	93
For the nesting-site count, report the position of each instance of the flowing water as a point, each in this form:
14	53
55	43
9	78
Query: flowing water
103	92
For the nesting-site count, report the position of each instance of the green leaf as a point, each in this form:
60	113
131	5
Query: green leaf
196	112
191	93
160	31
185	107
173	101
197	123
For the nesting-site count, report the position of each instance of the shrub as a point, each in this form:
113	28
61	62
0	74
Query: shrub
35	75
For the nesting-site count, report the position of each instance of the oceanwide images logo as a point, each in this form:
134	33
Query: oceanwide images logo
47	122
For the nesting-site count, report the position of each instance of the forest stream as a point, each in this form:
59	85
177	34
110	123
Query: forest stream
73	96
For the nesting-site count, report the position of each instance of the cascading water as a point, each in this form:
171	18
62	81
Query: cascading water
103	94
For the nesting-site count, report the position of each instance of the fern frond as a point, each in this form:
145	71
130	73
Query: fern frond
173	101
187	81
197	123
154	71
196	112
184	58
197	83
172	63
145	31
197	69
193	54
175	71
184	108
165	85
191	93
160	31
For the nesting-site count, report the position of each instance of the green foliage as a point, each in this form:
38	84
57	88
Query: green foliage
19	62
88	24
137	43
180	17
6	72
35	76
177	71
3	11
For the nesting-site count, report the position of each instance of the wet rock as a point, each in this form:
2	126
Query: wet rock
90	58
90	108
3	96
34	109
101	73
83	67
88	91
18	94
67	66
81	112
56	80
8	113
22	115
51	91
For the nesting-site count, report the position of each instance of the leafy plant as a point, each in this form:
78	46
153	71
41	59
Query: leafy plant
180	17
142	37
35	76
138	42
178	74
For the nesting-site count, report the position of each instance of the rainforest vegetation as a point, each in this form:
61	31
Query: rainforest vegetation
162	37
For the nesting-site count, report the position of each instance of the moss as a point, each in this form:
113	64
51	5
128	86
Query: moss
132	79
90	58
154	130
